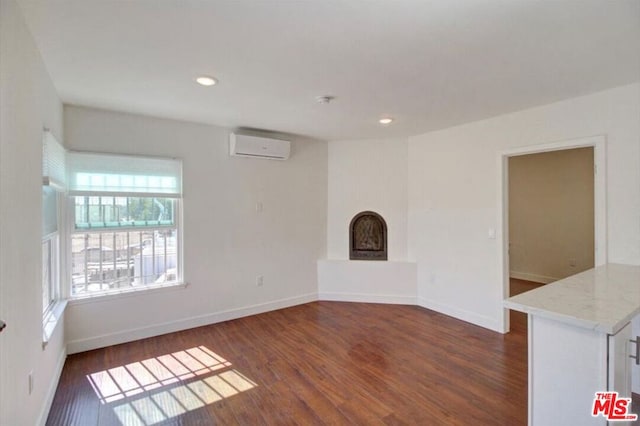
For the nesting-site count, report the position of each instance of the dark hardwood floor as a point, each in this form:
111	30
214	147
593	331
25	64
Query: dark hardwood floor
321	363
518	286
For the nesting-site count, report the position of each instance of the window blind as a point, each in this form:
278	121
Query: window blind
53	162
123	175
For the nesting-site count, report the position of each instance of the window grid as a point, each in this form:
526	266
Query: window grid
112	257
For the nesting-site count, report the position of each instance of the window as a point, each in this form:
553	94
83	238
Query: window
54	183
125	227
50	249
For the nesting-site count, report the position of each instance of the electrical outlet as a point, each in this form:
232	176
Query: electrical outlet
30	382
259	280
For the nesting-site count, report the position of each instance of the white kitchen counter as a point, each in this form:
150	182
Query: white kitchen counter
579	331
603	299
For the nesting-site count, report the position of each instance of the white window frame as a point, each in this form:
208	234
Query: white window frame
54	178
52	313
115	175
52	280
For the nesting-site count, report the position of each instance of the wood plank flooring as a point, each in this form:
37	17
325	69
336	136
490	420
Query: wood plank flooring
320	363
518	286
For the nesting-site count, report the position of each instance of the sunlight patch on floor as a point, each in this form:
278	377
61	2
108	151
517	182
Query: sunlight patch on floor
156	389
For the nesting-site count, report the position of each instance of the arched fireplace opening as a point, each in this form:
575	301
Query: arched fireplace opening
368	237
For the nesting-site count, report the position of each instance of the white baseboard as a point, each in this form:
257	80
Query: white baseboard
461	314
536	278
110	339
367	298
82	345
53	386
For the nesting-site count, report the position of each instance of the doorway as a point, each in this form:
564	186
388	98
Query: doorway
551	217
595	148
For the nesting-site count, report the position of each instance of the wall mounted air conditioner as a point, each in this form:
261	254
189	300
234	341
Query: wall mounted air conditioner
258	147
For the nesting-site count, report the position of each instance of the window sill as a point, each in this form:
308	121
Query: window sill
103	297
51	320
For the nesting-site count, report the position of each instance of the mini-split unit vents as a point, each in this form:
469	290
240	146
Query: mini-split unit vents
258	147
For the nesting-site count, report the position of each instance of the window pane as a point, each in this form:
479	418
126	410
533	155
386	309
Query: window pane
109	261
46	274
115	212
49	211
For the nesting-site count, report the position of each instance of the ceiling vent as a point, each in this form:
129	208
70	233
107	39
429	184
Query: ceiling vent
258	147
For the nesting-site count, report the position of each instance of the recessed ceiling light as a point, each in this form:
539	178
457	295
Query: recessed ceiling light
205	80
325	99
386	120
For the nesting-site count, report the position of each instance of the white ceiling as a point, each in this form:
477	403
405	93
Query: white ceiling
429	64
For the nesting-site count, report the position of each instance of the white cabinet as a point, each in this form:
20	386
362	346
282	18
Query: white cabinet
567	365
619	362
579	332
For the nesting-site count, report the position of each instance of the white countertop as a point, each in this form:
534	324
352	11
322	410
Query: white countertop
603	299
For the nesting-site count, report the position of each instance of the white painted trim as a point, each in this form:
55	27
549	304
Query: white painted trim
128	292
53	386
461	314
599	144
368	298
536	278
503	228
52	319
530	355
184	324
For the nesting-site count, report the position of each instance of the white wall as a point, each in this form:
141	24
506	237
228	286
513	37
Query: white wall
454	190
367	281
28	101
367	175
227	243
551	214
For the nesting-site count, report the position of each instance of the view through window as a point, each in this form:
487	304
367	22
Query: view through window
122	243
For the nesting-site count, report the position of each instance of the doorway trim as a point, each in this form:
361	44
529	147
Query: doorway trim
598	143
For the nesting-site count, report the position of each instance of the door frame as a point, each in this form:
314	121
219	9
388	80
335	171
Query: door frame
598	143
